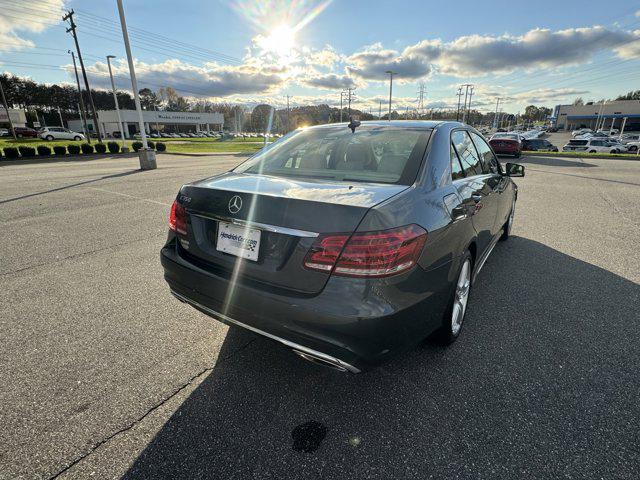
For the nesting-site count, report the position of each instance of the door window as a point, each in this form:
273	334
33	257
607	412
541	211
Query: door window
467	153
489	160
456	168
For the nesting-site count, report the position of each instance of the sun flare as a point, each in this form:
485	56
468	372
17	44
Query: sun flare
281	40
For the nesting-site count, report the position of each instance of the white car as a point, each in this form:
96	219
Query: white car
4	132
594	145
60	133
581	131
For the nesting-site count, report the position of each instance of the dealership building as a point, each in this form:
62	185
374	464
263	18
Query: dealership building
609	115
18	117
154	121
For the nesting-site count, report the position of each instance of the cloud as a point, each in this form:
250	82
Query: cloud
372	63
329	81
546	95
475	55
211	80
536	49
14	22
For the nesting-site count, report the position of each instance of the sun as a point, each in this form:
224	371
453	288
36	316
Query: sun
281	40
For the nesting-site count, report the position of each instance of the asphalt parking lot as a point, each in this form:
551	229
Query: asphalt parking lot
104	374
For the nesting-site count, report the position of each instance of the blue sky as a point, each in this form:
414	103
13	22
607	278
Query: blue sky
539	52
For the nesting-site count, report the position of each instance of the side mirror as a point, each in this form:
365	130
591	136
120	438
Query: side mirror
514	170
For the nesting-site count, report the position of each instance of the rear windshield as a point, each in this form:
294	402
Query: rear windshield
578	142
372	154
505	136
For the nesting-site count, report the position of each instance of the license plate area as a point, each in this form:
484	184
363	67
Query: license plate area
240	241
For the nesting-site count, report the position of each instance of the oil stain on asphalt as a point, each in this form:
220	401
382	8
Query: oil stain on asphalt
308	436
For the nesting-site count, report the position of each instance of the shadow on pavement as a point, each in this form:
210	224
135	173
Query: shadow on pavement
554	161
86	182
542	384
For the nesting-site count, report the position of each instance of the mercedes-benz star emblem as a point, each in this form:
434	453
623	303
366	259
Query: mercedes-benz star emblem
235	204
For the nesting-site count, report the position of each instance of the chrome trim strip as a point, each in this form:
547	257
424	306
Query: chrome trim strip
484	258
260	226
339	364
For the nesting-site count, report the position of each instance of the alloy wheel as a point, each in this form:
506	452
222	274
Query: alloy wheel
461	297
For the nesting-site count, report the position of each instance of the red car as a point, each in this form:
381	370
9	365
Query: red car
506	144
25	132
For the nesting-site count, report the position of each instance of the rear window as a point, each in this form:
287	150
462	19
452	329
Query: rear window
578	142
378	154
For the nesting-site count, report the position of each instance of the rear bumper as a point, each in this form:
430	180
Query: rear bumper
352	324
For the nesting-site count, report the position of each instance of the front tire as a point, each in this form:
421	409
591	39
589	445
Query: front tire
506	229
48	138
77	139
455	312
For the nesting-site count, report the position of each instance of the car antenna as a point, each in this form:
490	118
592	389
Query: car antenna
353	124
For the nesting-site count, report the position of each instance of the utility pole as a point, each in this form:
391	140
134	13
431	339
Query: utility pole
380	110
469	106
495	118
288	115
459	98
466	96
421	93
147	157
6	107
349	97
72	29
391	74
83	117
115	100
341	95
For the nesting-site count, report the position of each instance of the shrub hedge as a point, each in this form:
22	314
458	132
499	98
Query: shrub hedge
161	147
152	145
100	148
87	148
11	152
60	150
43	150
136	146
114	147
27	151
73	149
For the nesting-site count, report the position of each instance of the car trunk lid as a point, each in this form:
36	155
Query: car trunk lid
279	217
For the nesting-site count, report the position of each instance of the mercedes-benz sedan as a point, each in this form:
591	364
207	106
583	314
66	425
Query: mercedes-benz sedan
346	243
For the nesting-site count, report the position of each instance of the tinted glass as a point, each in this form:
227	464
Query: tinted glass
577	142
371	154
456	168
467	153
490	163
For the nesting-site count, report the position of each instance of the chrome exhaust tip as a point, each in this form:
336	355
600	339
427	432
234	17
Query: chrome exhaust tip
324	362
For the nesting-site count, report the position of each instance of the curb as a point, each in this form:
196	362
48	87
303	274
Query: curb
622	156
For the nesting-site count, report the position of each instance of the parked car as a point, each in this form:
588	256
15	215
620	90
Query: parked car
633	146
25	132
4	132
594	145
366	244
610	132
60	133
538	144
506	144
581	131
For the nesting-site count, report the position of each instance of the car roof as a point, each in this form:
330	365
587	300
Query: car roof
423	124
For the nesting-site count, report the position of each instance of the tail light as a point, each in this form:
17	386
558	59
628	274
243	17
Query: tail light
367	254
178	218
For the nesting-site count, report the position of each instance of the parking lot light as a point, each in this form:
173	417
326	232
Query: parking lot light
146	155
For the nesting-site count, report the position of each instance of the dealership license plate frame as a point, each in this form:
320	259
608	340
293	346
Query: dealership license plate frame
225	244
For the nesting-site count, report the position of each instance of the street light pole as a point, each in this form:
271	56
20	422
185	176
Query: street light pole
147	156
115	100
391	74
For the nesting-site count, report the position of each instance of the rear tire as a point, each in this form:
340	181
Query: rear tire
633	148
48	138
592	151
456	309
76	138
